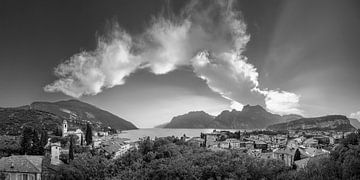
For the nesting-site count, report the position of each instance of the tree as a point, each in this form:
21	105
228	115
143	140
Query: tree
71	148
44	138
88	134
26	140
82	141
36	148
297	155
58	131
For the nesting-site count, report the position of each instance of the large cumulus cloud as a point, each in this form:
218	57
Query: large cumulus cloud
209	36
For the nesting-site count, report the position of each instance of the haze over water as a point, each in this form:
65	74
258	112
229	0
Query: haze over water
134	135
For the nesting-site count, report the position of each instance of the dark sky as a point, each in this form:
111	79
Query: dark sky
310	48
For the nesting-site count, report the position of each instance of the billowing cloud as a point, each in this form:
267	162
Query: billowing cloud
282	102
87	73
209	36
355	115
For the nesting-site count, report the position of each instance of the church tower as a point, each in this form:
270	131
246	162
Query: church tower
55	153
65	128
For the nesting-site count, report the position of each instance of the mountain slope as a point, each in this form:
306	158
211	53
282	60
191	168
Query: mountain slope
291	117
80	111
195	119
333	122
12	120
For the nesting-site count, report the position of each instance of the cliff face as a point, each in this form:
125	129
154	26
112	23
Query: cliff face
249	118
195	119
334	122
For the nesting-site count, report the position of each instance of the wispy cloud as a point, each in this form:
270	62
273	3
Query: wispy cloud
210	36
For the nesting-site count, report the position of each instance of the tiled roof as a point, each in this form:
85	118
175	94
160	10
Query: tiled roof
112	147
22	163
284	151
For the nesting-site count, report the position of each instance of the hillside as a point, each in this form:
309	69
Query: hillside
333	122
291	117
12	120
195	119
355	123
81	112
250	117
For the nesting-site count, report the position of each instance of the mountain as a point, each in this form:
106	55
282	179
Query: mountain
333	122
78	111
355	123
12	120
249	118
291	117
194	119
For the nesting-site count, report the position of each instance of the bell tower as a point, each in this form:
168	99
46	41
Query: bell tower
64	128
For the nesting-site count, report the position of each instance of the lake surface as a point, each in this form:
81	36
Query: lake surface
134	135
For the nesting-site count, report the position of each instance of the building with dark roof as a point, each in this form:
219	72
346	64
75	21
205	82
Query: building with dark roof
22	167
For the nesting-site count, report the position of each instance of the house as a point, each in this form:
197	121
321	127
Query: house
30	167
211	138
114	149
22	167
233	143
260	145
224	145
312	152
249	144
284	154
311	142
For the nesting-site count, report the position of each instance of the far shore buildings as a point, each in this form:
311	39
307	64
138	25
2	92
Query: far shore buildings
311	144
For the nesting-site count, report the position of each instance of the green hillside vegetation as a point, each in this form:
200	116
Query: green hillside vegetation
84	111
173	158
13	120
332	122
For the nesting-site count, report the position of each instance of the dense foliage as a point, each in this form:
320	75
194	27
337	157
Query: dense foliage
173	158
31	143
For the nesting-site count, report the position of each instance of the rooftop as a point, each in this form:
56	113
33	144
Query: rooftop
22	163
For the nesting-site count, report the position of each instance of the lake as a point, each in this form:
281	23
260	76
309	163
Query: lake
134	135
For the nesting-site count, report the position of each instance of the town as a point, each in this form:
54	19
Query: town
40	157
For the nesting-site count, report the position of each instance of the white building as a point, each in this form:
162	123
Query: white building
78	132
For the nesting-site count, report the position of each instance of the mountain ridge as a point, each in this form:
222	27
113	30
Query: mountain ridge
83	111
50	115
250	117
256	117
329	122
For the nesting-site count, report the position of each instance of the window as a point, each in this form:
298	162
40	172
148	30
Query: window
31	177
23	176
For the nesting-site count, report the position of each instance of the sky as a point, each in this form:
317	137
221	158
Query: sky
147	61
